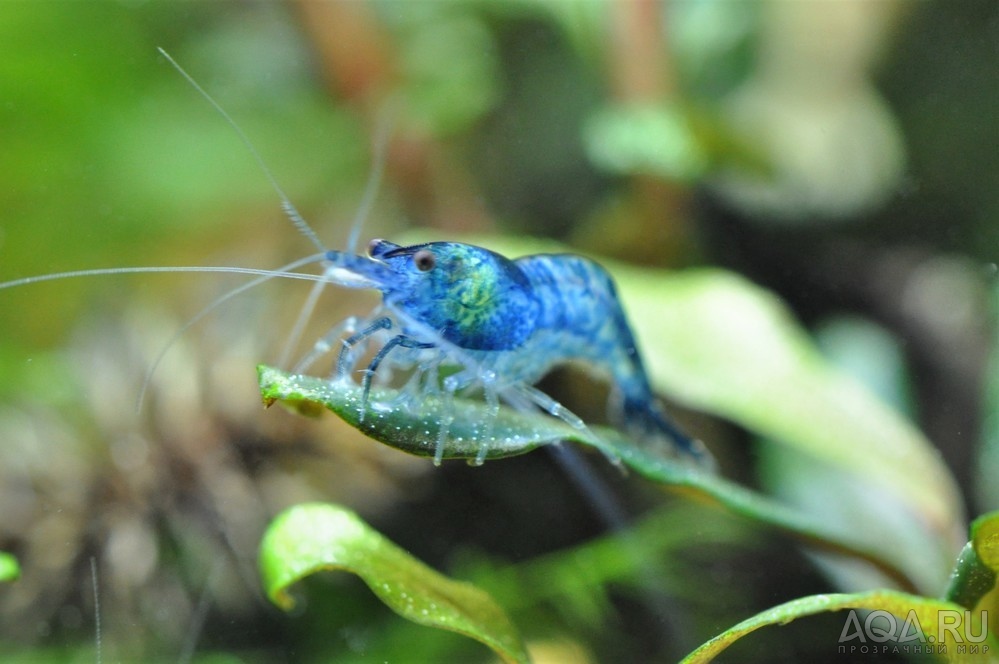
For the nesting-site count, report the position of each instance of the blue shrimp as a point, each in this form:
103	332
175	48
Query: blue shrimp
507	323
504	322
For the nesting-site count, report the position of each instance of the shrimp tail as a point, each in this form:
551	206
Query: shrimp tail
645	418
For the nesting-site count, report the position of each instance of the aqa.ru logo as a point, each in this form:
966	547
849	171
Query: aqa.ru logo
883	632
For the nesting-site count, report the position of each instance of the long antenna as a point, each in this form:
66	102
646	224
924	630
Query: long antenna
379	150
97	609
280	272
289	208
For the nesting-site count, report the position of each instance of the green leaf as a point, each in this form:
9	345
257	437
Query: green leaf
310	538
416	432
985	538
928	614
729	347
656	140
986	466
971	580
718	343
9	569
975	572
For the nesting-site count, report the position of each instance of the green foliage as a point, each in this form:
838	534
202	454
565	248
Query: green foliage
653	141
310	538
415	431
685	322
972	596
974	576
9	569
714	341
301	542
587	121
927	613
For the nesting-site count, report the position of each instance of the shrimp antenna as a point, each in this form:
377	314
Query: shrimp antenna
97	609
289	208
379	150
265	275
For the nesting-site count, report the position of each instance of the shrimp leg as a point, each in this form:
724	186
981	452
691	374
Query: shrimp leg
325	343
353	340
397	341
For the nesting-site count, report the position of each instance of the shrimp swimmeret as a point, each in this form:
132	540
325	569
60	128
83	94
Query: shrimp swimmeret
505	323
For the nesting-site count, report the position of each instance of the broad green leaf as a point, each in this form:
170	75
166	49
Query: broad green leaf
515	433
723	345
9	569
718	343
943	626
314	537
726	346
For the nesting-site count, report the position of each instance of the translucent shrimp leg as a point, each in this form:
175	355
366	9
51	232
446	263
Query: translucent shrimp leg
324	344
351	342
395	342
488	379
452	384
553	407
556	409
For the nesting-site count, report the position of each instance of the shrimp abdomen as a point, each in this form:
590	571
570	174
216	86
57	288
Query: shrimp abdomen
580	309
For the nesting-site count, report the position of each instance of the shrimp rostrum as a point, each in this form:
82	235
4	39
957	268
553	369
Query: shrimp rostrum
504	323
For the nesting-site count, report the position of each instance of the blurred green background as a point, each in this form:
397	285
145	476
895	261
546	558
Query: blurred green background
842	154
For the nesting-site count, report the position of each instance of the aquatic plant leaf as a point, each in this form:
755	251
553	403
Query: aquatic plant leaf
310	538
985	538
977	569
514	433
9	569
716	342
960	627
658	140
925	614
415	432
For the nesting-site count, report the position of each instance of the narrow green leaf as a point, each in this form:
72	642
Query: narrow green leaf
515	433
975	572
943	626
310	538
413	432
971	579
9	569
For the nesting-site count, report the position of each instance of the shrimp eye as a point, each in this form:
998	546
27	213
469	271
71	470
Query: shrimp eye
373	247
424	260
